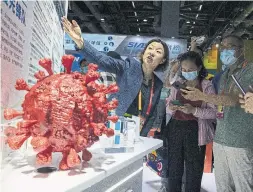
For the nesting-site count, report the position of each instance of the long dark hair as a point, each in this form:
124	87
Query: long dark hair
195	57
165	56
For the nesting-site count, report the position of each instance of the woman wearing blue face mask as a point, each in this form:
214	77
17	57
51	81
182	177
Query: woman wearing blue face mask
190	127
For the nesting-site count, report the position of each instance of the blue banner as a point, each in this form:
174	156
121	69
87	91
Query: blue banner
127	45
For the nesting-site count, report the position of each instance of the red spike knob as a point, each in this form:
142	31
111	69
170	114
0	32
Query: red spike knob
67	61
109	132
98	128
91	76
63	164
112	104
77	75
10	131
114	118
73	158
40	75
26	123
15	142
22	85
113	88
46	64
40	143
44	157
92	67
81	142
12	113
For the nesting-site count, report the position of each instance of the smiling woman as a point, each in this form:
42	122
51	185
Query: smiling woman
140	83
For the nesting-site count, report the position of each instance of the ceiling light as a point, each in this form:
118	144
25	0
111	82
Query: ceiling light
217	45
139	29
200	7
191	32
102	19
135	14
145	20
188	22
197	16
133	4
194	23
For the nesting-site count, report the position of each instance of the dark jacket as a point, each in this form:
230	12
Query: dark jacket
129	77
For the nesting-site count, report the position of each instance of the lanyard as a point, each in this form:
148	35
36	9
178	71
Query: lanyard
239	73
150	99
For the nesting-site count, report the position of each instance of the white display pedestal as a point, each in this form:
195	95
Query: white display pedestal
105	172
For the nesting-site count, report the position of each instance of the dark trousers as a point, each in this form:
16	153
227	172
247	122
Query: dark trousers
183	150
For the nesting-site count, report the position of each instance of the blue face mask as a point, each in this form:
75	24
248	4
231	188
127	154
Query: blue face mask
227	58
84	70
190	75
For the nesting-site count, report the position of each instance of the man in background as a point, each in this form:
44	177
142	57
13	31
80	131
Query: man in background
106	77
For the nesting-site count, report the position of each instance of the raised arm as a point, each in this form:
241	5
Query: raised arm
105	62
194	94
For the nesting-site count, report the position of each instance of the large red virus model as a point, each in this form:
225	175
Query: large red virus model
63	112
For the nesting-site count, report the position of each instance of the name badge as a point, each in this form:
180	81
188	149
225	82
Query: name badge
220	112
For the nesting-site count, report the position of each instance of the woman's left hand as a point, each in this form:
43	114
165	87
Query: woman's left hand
188	109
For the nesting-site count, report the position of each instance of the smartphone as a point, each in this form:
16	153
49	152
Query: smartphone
179	85
176	102
238	84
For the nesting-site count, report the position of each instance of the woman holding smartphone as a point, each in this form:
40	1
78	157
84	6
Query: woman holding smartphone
190	127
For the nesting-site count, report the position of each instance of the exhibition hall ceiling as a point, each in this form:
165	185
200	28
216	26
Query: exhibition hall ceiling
211	18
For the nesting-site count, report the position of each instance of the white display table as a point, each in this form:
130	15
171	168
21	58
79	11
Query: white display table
105	172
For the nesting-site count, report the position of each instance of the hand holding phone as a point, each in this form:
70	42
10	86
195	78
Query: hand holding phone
179	85
175	105
176	102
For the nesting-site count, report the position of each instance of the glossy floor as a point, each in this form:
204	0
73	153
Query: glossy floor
151	182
